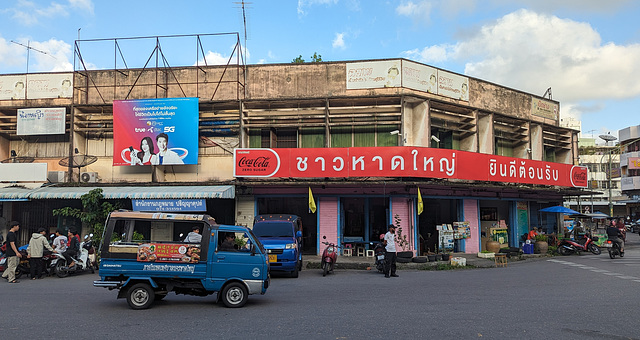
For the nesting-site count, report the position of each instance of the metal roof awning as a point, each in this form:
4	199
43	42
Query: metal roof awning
129	192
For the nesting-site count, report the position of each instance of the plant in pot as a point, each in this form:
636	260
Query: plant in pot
541	246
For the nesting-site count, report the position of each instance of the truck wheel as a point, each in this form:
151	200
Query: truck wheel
234	295
140	296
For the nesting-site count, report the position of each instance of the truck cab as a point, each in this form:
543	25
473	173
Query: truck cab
281	235
143	257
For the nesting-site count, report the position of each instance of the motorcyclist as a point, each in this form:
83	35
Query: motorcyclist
615	235
73	248
60	242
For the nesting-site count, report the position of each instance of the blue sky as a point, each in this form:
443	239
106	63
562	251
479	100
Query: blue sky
587	51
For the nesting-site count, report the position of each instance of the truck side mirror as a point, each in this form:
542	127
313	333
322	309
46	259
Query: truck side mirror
298	234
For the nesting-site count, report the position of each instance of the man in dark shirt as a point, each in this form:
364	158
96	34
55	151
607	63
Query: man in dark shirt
613	233
13	255
228	244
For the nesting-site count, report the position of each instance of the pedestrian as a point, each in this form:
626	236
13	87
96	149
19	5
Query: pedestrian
12	254
60	242
35	251
390	252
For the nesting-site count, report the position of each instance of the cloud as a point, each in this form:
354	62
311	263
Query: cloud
338	42
215	58
11	55
302	4
29	13
46	56
84	5
419	12
531	52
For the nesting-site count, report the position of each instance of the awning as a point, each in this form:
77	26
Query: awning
137	192
14	194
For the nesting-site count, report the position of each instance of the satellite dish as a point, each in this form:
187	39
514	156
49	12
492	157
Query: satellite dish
78	161
18	160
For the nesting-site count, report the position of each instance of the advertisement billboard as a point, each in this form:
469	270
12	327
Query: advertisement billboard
419	77
12	87
374	74
41	121
402	161
453	86
36	86
160	131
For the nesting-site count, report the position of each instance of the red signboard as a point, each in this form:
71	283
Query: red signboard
634	163
403	161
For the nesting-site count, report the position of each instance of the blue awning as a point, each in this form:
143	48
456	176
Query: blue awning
133	192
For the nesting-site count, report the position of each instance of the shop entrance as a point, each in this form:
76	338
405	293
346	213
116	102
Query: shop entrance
494	220
436	212
364	218
294	206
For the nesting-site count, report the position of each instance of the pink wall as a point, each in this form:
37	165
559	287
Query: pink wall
328	211
472	244
400	206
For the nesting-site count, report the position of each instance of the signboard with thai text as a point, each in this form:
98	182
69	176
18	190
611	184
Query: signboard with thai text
36	86
374	74
453	86
544	108
403	161
633	163
42	121
419	77
184	204
169	252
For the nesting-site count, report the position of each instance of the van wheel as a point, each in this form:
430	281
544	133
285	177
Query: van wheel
234	295
294	273
140	296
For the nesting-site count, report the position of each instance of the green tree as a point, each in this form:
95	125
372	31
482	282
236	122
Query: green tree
315	58
298	60
93	214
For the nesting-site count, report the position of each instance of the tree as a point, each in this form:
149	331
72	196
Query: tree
93	214
315	58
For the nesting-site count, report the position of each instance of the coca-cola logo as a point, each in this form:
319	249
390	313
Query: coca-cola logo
579	176
255	163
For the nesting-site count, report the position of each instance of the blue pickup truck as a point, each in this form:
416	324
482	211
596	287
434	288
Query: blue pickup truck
228	260
281	236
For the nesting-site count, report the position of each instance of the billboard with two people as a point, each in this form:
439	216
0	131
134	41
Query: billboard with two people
160	131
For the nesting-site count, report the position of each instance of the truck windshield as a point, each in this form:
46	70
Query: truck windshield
273	229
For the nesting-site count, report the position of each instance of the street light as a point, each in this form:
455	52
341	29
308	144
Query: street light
609	138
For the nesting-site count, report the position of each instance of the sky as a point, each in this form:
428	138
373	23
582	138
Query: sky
586	51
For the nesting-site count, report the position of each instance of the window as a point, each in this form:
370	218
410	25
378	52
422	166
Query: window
230	241
504	147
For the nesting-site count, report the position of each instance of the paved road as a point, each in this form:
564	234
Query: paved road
572	297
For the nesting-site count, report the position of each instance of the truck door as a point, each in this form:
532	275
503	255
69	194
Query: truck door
233	258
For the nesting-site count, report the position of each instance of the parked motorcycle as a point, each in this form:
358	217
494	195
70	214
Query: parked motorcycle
61	267
329	257
379	252
568	247
614	249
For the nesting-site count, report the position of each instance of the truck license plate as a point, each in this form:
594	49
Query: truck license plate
273	258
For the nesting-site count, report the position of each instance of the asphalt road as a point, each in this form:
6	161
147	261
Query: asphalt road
571	297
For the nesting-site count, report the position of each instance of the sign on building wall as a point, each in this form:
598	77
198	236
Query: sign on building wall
42	121
453	86
633	163
374	74
36	86
544	108
403	162
155	131
169	205
419	77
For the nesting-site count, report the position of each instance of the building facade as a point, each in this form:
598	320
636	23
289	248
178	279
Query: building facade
375	142
630	165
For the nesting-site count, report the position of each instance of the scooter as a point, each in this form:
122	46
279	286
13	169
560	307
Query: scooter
61	267
329	257
379	251
614	249
568	247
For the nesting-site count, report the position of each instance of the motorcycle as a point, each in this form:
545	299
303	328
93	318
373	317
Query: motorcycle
61	267
329	257
614	249
568	247
379	252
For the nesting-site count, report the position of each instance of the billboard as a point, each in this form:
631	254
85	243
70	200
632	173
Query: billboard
419	77
160	131
374	74
544	108
453	86
36	86
42	121
403	161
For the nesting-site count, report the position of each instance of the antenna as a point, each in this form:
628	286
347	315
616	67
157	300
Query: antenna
548	91
29	48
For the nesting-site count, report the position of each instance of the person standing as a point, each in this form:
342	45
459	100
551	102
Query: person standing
390	254
35	251
13	255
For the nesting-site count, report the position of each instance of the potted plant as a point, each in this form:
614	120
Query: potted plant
401	239
541	245
486	254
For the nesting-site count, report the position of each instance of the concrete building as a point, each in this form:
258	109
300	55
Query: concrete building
630	163
364	137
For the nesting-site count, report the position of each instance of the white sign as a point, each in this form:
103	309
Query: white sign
23	172
419	77
374	74
43	121
36	86
453	86
12	87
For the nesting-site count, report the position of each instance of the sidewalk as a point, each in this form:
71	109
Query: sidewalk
367	263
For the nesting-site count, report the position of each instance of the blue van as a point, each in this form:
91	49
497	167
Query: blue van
143	257
281	236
